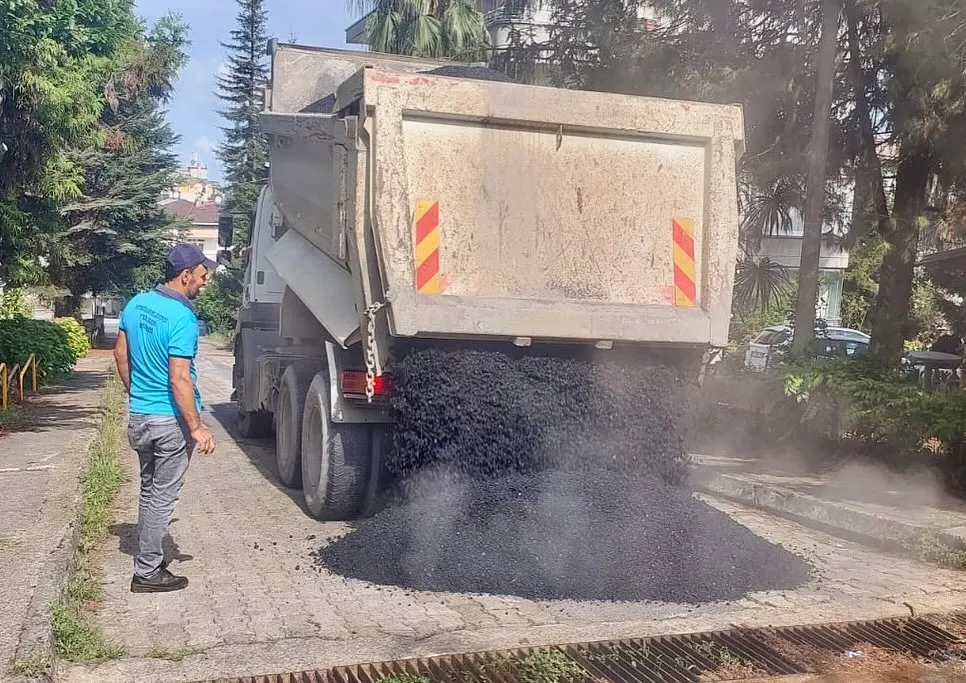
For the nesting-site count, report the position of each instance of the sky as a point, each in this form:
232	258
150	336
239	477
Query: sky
193	111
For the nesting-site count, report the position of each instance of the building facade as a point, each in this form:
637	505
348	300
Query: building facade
203	217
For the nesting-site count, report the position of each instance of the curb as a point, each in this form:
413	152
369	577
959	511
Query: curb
36	642
836	518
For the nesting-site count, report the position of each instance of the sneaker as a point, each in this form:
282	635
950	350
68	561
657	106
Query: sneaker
162	582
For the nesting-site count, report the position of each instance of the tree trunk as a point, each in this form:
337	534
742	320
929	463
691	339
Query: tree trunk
890	319
815	183
868	181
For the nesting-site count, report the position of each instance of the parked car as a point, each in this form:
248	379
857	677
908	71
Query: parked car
774	342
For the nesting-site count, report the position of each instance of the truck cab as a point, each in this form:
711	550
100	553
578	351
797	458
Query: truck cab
257	324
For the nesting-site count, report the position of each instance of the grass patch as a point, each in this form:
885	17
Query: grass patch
404	678
174	654
32	667
77	636
549	666
13	419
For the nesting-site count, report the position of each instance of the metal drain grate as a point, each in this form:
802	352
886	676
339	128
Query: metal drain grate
714	656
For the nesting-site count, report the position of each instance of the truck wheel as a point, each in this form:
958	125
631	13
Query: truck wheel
252	424
288	429
255	425
336	459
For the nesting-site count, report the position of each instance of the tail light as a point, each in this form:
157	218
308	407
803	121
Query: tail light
354	384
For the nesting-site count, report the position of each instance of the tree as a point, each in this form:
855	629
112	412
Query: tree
244	151
426	28
53	64
815	186
85	145
903	90
116	229
921	71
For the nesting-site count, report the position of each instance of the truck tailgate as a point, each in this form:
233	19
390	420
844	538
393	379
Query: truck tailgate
522	211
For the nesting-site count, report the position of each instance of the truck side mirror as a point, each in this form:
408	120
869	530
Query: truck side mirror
225	230
224	258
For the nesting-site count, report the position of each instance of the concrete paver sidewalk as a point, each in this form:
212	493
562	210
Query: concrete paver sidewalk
856	499
40	467
256	603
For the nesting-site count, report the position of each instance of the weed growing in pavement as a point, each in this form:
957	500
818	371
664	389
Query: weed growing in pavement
173	654
931	547
32	667
549	666
721	656
404	678
77	636
105	471
13	419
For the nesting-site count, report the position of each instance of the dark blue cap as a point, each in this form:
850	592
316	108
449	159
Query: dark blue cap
187	256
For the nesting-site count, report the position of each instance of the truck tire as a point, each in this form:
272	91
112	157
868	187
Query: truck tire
336	459
255	425
288	428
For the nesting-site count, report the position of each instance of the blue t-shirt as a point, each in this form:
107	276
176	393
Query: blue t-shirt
158	325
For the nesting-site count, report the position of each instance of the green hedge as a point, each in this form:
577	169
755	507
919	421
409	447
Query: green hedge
54	343
77	339
875	405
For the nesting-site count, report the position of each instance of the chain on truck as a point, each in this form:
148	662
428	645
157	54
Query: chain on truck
403	205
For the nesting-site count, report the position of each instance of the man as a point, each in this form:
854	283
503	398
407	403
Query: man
155	353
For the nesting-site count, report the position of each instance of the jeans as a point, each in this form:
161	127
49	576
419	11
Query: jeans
164	448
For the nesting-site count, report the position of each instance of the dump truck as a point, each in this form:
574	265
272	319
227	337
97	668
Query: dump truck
411	200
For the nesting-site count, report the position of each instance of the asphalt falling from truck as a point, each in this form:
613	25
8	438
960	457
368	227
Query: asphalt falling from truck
549	478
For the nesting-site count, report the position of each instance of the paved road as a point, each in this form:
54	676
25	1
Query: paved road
256	604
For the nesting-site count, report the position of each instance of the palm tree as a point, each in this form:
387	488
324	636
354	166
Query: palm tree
760	285
768	211
425	28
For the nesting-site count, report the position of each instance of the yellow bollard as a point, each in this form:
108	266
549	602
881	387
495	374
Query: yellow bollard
30	364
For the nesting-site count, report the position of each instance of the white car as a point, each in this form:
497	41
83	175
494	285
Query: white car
774	342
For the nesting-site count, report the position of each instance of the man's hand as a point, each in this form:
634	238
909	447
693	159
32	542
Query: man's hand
204	440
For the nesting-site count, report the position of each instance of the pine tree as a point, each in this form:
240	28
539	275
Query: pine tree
244	151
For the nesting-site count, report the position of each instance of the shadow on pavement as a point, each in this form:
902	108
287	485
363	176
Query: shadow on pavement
127	542
39	413
261	452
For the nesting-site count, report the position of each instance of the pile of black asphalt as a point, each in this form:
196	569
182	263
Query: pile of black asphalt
549	478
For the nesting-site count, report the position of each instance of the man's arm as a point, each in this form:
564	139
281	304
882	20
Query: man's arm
179	370
122	361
